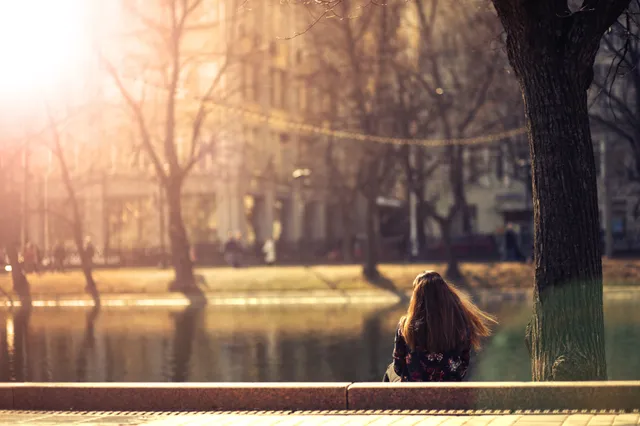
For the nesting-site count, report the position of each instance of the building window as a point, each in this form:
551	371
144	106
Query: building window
313	100
302	96
278	88
326	103
273	87
286	160
295	95
499	160
244	81
333	100
255	83
282	82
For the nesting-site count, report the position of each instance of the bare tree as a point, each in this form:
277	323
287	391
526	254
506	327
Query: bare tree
61	129
360	52
171	108
460	88
615	104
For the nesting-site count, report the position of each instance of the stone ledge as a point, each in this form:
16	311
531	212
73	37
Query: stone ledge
493	396
175	397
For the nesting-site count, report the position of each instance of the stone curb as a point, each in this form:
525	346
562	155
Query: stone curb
496	396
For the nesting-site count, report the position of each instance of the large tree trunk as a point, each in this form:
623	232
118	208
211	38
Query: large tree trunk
91	287
370	268
552	50
179	242
567	329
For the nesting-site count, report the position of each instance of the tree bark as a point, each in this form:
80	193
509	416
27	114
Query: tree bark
178	240
567	328
370	268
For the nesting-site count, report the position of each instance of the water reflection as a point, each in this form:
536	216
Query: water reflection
345	343
185	329
87	347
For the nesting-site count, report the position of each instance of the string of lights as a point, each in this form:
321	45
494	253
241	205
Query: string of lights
305	128
252	117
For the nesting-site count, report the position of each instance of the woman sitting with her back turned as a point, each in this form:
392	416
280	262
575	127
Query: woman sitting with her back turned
434	340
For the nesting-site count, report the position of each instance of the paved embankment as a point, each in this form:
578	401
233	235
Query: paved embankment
435	404
317	418
511	396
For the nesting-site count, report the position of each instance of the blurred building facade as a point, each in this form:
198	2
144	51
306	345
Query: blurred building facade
262	181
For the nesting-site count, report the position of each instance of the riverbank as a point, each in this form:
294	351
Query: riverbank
283	280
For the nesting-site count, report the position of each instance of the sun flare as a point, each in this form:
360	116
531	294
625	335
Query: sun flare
41	43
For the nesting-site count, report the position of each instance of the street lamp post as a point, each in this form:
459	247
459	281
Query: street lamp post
301	176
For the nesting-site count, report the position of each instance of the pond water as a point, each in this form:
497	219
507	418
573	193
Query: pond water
322	343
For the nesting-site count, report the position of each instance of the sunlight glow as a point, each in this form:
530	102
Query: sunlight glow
42	42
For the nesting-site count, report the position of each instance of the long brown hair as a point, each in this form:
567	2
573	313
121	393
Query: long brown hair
442	318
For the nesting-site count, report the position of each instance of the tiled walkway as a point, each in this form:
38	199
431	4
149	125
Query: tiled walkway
316	418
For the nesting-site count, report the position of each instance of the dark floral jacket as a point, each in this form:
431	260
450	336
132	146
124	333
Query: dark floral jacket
422	366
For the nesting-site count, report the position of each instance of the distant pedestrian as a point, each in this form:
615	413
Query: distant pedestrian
232	250
512	246
269	250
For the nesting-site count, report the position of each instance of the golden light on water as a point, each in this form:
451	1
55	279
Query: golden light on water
10	336
41	41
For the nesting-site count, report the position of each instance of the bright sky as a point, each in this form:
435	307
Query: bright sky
42	43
